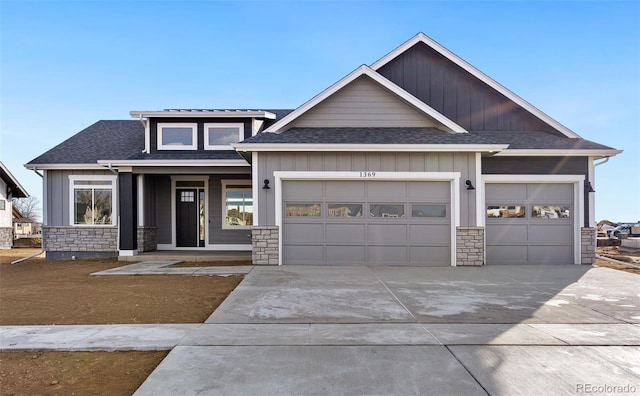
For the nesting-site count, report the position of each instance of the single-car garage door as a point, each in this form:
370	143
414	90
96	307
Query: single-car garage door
366	222
530	223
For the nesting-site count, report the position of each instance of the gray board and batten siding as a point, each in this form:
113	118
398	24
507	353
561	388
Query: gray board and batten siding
371	161
541	166
57	197
457	94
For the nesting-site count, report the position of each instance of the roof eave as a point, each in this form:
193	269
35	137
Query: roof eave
12	179
203	114
168	163
599	153
483	148
365	70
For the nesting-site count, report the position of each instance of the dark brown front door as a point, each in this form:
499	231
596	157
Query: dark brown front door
187	218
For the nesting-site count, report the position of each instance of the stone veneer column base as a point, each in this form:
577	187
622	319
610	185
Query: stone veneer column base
6	237
588	239
147	238
63	242
265	242
469	246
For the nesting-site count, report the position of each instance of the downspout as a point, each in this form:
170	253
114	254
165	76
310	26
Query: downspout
603	162
41	239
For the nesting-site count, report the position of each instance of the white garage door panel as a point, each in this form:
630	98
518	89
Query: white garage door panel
543	231
366	222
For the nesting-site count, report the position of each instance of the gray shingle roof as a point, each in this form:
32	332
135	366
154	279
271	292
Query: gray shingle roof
106	139
516	140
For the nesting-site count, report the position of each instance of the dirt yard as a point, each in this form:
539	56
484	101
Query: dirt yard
39	292
615	253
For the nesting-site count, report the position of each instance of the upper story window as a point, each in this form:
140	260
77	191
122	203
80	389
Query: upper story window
177	136
221	136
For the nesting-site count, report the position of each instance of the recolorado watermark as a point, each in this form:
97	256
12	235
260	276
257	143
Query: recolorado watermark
607	388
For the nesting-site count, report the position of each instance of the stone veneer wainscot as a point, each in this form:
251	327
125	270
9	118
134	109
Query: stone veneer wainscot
6	237
265	243
80	239
588	241
469	246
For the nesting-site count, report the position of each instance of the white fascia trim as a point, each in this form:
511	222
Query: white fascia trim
578	199
14	180
558	153
489	148
479	191
174	163
452	177
365	70
591	173
421	37
204	114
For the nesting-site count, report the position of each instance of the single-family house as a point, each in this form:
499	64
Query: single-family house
9	188
416	159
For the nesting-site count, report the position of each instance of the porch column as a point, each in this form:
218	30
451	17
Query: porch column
127	199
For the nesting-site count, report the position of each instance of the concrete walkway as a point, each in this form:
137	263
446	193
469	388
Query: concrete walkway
514	330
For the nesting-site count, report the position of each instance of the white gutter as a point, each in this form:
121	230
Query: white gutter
173	163
558	152
205	114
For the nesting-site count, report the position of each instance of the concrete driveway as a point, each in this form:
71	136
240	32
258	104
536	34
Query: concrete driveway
499	330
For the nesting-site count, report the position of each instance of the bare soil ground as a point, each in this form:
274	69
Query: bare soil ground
39	292
615	253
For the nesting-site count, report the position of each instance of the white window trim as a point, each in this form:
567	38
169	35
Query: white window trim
114	197
242	182
578	199
452	177
194	135
208	146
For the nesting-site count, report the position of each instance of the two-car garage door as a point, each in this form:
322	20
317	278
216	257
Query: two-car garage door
366	222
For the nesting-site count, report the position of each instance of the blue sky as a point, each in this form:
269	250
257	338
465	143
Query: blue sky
65	65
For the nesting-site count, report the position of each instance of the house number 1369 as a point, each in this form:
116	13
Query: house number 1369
367	174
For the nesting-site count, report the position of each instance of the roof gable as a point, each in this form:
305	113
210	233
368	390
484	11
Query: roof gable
13	185
436	118
461	92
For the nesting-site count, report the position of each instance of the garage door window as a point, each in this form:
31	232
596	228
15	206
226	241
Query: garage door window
550	212
304	209
419	210
344	210
389	210
506	211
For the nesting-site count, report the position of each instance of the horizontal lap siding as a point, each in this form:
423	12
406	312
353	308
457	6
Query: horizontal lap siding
363	103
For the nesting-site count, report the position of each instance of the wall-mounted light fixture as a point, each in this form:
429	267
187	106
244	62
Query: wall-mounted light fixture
588	187
266	185
469	185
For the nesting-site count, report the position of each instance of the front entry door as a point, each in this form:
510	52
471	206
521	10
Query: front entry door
187	230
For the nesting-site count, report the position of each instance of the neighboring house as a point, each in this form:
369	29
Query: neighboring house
418	159
9	188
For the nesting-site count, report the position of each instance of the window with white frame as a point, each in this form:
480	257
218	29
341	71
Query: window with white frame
92	199
177	136
221	136
237	204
